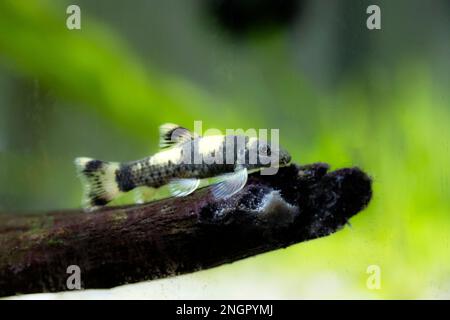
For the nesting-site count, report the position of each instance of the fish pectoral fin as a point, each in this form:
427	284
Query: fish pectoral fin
230	184
171	134
183	187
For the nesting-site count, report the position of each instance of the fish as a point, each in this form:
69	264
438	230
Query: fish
183	161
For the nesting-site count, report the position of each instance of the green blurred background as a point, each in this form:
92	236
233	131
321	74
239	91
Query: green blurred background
338	92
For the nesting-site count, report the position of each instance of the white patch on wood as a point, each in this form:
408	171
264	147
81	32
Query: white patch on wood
275	209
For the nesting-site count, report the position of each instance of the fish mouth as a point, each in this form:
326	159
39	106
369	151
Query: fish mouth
285	162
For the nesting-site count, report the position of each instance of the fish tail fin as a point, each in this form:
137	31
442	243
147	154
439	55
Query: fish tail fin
99	181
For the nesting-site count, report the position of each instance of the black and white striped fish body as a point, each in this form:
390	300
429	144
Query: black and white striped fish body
185	159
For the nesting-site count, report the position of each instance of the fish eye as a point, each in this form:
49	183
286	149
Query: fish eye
265	149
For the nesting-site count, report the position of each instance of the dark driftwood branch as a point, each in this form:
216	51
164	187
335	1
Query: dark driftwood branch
120	245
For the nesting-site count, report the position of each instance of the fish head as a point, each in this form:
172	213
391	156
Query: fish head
284	157
267	154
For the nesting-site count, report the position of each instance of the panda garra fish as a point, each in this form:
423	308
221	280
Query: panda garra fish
184	160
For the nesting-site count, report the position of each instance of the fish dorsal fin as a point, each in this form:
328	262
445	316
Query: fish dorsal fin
171	134
230	183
